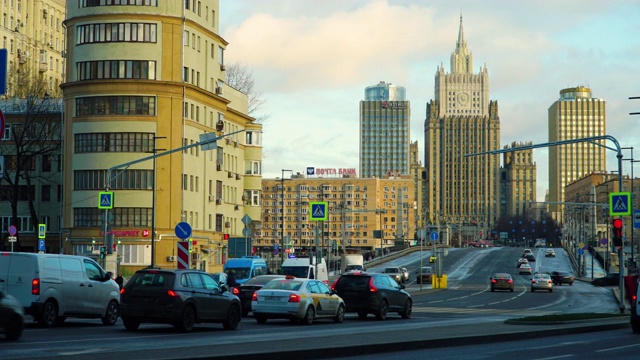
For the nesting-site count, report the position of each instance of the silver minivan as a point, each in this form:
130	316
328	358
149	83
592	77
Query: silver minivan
52	287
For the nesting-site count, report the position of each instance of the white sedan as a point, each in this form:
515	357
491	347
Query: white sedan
524	269
296	299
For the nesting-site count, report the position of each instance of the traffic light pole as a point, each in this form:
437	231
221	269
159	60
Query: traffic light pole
208	140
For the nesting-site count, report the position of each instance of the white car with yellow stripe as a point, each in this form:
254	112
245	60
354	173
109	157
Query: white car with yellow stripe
296	299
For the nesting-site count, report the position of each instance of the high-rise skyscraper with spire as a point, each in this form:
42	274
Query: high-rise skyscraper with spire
462	120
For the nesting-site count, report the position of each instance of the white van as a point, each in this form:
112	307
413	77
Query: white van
304	267
52	287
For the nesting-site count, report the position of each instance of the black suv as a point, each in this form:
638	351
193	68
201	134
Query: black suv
181	298
370	293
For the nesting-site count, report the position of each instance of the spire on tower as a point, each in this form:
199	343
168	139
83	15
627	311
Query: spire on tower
461	42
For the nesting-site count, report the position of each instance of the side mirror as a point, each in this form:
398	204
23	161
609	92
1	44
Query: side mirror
108	275
224	288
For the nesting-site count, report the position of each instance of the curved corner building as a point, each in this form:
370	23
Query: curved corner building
148	76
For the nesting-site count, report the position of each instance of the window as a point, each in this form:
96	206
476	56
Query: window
46	163
128	179
114	142
123	217
116	69
117	32
45	193
92	3
253	138
116	105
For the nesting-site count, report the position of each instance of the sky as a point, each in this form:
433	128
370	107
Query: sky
312	60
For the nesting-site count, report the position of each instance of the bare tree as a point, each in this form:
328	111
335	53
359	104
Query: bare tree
33	133
241	78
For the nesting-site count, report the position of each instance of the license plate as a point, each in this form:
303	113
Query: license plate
271	298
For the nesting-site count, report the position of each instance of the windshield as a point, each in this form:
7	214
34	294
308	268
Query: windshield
238	273
296	271
283	285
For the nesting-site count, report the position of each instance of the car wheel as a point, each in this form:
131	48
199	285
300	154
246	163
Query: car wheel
339	314
14	328
511	289
187	320
233	318
406	311
309	316
382	310
570	284
492	289
49	314
362	314
550	290
130	324
260	319
111	315
533	290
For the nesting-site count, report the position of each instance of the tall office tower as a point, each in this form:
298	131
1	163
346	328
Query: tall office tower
384	131
149	77
462	120
576	114
518	182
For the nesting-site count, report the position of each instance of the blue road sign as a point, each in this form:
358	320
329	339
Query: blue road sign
620	203
318	210
636	219
105	200
183	230
434	235
42	231
13	230
41	246
580	252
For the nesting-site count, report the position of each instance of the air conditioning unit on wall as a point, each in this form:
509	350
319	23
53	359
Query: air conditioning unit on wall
218	201
171	258
212	198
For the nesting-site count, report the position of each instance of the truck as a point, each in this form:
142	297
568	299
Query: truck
306	267
349	262
239	270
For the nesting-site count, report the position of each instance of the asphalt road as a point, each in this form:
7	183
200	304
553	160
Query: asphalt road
466	312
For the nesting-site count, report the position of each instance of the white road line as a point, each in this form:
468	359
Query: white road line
618	348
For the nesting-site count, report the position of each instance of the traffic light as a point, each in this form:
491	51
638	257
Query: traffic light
103	252
617	232
190	245
225	237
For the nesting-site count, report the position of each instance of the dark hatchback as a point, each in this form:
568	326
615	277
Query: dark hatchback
246	290
181	298
371	293
11	316
562	277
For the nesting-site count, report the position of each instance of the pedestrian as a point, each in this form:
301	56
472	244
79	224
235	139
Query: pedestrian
120	281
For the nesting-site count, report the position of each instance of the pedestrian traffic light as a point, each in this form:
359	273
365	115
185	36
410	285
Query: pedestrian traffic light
617	232
225	236
190	245
103	252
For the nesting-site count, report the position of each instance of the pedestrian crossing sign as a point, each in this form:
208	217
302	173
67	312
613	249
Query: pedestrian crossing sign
105	200
318	210
620	203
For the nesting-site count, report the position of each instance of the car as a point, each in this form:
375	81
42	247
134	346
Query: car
541	281
372	293
611	279
180	297
562	277
246	290
425	275
549	253
502	281
433	259
405	274
522	260
524	269
296	299
395	273
526	251
530	257
11	316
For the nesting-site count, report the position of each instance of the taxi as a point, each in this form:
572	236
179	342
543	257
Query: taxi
296	299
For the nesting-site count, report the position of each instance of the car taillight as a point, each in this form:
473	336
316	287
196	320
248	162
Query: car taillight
494	281
533	281
333	286
122	291
35	286
372	288
172	293
235	291
509	281
294	298
254	297
549	281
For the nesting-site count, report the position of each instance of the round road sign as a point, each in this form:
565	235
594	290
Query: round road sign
13	230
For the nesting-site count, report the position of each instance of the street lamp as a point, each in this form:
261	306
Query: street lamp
380	212
153	202
282	218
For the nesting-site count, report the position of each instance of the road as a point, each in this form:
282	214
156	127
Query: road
466	308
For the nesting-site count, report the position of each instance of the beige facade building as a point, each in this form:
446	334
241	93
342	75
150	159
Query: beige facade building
576	114
462	120
149	77
357	208
517	181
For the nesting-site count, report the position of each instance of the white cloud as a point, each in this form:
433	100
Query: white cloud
312	61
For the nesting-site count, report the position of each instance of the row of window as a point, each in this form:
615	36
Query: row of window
90	3
113	142
122	217
125	179
28	192
117	32
116	69
116	105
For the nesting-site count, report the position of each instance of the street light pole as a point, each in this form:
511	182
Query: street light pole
282	219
